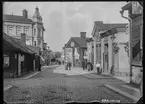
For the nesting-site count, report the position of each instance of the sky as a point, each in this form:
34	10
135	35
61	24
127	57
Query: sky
63	20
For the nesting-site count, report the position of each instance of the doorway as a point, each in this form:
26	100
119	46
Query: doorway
105	62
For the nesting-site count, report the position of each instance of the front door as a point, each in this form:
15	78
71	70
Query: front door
105	62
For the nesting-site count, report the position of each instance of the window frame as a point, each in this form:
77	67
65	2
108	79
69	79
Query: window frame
26	30
18	29
34	32
10	28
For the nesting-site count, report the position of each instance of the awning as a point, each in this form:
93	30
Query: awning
11	44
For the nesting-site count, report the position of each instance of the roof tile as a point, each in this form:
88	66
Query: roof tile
17	18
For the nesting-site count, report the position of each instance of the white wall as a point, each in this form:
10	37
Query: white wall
109	52
102	51
123	58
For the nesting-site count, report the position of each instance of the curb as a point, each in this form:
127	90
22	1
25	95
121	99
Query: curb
135	99
135	89
30	75
38	72
8	87
91	76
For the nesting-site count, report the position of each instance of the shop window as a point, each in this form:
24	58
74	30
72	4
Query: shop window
6	61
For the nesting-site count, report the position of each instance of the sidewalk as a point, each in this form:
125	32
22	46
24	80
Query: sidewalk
7	81
73	71
79	71
127	91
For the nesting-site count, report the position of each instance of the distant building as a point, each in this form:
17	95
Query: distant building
76	47
14	25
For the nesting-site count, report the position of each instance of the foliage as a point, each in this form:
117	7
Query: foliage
47	54
58	54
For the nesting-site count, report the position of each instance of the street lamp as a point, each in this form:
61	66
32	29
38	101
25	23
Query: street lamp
130	40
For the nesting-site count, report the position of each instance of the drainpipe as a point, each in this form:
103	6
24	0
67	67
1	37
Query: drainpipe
130	45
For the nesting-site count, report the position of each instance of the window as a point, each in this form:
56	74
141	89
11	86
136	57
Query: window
26	30
4	28
39	42
10	30
34	32
39	32
6	61
18	30
141	35
35	43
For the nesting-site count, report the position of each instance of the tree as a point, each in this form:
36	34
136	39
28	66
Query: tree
58	54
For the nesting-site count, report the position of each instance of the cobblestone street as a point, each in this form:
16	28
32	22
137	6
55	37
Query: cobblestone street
48	87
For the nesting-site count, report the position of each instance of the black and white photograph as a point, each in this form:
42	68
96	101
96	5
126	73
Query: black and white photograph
67	52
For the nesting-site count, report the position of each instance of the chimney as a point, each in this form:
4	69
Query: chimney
23	38
25	13
83	34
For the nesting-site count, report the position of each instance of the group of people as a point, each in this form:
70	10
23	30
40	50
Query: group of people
68	65
87	65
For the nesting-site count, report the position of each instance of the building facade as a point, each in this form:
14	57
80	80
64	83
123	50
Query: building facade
135	17
103	49
114	55
76	49
14	25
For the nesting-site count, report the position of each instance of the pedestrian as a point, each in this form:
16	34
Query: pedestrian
98	67
88	66
83	64
39	64
69	65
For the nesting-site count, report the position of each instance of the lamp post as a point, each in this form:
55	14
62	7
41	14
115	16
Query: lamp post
130	41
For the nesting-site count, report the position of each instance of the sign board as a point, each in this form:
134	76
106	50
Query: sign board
108	33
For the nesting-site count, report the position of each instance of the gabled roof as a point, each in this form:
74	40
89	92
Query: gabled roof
107	26
16	18
127	6
12	44
34	48
82	42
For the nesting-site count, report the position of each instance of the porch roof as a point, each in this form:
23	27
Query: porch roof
12	44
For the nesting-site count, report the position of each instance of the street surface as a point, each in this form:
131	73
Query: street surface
47	87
